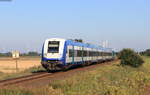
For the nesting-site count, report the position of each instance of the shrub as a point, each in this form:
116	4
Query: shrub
129	57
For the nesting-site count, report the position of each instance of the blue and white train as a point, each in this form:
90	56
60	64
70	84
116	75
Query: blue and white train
59	53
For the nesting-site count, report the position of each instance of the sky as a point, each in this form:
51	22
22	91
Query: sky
25	24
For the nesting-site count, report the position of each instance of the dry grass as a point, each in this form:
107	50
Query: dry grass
8	65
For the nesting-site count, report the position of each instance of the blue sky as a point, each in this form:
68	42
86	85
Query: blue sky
25	24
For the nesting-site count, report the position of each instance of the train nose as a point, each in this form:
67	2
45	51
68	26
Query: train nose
52	65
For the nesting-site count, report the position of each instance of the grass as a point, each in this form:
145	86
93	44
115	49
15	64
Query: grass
22	91
105	80
22	73
15	91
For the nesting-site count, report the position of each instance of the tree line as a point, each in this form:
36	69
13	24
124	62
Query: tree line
146	52
31	53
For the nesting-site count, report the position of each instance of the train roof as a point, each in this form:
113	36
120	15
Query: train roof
72	42
88	45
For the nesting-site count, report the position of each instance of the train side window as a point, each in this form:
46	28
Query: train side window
75	53
105	54
90	53
71	53
101	53
79	53
84	53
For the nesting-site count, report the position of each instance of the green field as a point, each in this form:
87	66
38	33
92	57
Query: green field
105	80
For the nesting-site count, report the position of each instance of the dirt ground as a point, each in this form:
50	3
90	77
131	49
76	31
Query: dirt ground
8	65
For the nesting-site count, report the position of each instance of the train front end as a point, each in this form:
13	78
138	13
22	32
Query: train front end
53	57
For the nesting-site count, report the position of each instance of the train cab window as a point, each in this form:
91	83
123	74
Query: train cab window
53	47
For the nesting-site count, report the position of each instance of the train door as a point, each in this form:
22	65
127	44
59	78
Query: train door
70	54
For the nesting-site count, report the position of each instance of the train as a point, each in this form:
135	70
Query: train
59	54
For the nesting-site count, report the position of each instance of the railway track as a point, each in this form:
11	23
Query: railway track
41	79
23	79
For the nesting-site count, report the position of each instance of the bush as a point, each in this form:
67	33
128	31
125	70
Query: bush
129	57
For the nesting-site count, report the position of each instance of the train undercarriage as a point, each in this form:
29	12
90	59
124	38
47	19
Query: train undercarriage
52	66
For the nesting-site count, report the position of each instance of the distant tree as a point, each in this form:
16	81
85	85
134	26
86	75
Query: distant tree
79	40
33	54
24	54
8	54
1	55
130	57
146	53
